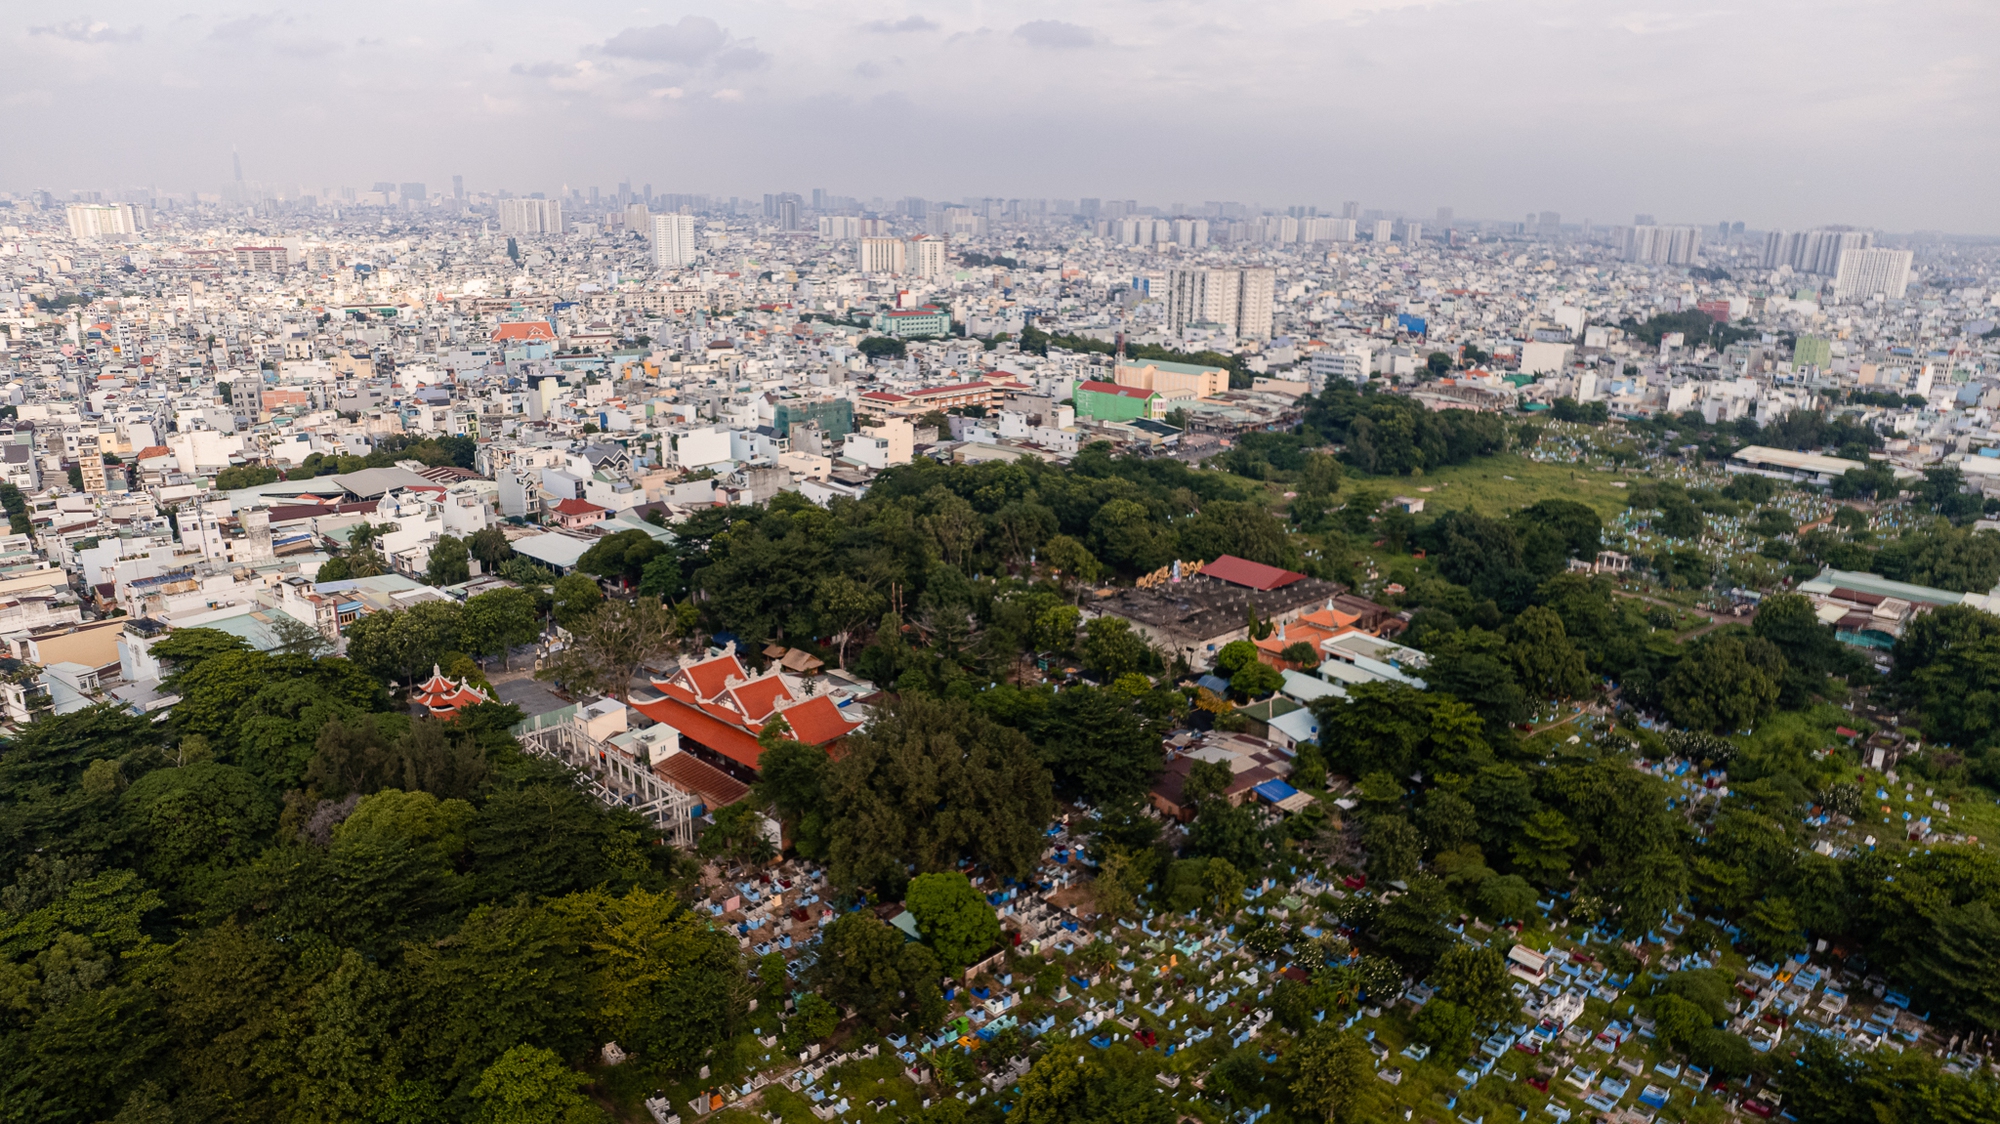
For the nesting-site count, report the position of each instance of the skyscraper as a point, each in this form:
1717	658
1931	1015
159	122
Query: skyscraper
1548	224
927	257
1813	251
531	216
1662	245
458	188
1871	272
673	241
1253	304
101	220
1239	300
880	255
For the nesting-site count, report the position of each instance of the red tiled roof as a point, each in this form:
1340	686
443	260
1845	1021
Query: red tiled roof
711	677
575	507
699	727
1251	575
525	330
757	698
818	721
716	788
1114	388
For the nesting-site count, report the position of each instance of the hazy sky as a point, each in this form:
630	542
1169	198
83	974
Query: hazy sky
1771	112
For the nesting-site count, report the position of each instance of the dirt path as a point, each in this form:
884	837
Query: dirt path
1715	620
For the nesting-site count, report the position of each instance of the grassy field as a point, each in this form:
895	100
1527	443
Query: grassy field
1499	486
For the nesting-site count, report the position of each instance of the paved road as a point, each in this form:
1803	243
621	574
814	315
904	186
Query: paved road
522	689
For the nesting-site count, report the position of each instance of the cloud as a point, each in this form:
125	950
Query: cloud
1056	35
741	58
243	27
694	39
87	30
546	69
907	23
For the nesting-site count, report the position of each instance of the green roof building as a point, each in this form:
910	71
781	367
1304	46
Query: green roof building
1813	351
1107	401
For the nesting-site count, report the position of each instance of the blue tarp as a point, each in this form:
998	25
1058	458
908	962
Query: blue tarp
1274	791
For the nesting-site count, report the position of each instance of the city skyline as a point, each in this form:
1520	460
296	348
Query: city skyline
1493	109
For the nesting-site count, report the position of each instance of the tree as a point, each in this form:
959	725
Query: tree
1724	683
1543	853
334	569
297	638
1444	1026
866	965
1065	1087
611	646
930	782
498	621
531	1085
1475	978
1508	897
1055	628
1546	662
738	834
1331	1071
1301	654
577	597
661	577
622	557
1394	847
1411	927
842	605
1072	562
490	546
954	918
404	643
1256	680
791	778
449	562
667	981
1097	744
1111	648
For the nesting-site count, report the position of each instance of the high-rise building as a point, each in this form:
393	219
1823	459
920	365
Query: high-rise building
788	215
531	216
1813	251
102	220
1239	300
638	219
1872	272
1384	230
926	257
1413	233
1253	304
838	228
624	193
881	255
458	188
673	241
1350	210
1191	234
1548	224
1326	230
1444	218
412	191
1662	245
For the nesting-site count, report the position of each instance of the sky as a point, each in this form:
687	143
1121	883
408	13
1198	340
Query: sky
1775	113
